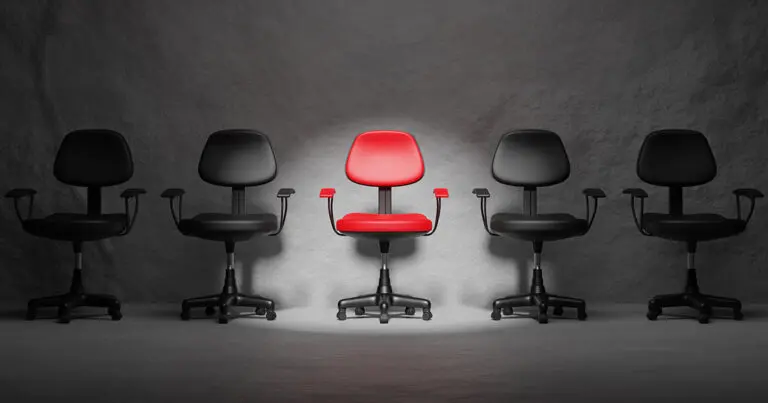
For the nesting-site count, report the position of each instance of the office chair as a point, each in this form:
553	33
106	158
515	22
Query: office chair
238	159
384	159
677	159
92	158
532	159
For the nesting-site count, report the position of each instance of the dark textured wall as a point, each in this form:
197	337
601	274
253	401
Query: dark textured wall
313	74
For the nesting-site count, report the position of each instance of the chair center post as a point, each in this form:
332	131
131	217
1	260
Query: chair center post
385	207
537	282
230	281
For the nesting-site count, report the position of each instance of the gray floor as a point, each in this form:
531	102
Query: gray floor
615	356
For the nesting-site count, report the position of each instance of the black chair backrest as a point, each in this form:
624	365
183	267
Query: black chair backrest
93	158
530	158
676	158
237	158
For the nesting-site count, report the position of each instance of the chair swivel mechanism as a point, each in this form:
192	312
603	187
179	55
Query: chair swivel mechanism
532	159
384	159
238	159
90	158
677	159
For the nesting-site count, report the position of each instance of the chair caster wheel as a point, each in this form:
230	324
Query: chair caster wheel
64	316
185	315
271	315
496	314
359	311
507	311
210	311
223	320
384	318
341	315
409	310
31	314
738	315
115	314
543	318
427	315
557	311
704	318
260	311
653	311
581	315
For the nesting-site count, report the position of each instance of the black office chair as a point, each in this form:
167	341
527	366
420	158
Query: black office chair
531	159
237	159
677	159
93	158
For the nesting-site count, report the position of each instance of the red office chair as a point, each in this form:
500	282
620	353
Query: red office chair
384	159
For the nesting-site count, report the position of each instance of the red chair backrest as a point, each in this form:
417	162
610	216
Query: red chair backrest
385	159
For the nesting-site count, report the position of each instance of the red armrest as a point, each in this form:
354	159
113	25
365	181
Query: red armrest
326	193
441	193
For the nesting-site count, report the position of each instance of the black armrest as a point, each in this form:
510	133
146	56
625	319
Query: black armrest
440	193
328	193
635	192
283	194
135	192
483	194
127	195
642	195
595	194
171	195
20	193
751	194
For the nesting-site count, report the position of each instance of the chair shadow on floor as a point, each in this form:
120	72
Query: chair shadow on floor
50	314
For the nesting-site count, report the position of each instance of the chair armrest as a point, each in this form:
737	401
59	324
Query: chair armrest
483	194
20	193
440	193
127	195
596	193
135	192
642	195
171	195
283	194
635	192
750	194
328	193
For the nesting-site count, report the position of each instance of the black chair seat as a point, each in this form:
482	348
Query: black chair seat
77	227
692	227
541	227
228	227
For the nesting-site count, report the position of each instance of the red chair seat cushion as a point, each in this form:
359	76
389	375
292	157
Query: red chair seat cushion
372	223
